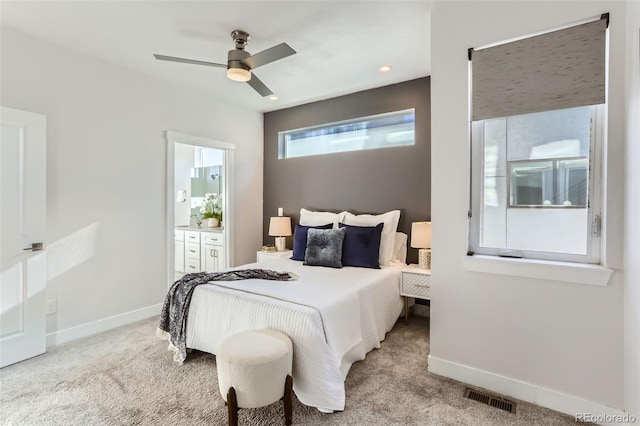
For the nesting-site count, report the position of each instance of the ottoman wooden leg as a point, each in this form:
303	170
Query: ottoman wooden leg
232	407
288	407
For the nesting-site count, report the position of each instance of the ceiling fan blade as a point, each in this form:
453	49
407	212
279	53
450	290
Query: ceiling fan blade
188	61
259	86
274	53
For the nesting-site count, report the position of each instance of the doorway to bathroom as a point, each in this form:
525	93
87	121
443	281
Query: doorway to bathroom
199	205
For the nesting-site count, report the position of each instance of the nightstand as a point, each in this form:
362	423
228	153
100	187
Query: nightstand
414	282
266	255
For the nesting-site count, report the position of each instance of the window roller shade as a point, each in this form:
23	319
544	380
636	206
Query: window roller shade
556	70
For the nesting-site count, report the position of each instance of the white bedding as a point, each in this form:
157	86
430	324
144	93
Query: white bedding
340	315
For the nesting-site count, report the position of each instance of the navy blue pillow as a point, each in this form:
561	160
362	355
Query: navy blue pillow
361	246
300	239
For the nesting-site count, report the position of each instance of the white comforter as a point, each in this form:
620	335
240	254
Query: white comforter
333	316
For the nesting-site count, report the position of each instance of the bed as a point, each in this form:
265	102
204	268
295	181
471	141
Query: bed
334	316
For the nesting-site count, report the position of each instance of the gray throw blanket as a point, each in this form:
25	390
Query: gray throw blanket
173	317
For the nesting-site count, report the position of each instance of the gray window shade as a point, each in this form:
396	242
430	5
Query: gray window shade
556	70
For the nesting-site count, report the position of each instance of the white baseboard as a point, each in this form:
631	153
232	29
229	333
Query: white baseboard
524	391
94	327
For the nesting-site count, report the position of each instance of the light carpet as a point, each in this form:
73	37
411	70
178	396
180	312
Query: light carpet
126	377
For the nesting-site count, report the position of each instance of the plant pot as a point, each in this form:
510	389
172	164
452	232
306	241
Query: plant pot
213	222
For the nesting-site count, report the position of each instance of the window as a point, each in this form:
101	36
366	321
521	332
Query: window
377	131
535	189
549	183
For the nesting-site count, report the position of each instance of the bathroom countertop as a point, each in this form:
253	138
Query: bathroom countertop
203	228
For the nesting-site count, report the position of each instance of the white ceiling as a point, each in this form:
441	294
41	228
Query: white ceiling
340	44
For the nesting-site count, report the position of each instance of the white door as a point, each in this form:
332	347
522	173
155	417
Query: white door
22	228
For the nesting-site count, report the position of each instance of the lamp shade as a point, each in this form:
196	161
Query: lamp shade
280	226
421	235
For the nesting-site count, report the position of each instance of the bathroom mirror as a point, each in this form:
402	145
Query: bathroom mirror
204	180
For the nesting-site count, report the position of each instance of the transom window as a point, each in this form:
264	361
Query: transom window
377	131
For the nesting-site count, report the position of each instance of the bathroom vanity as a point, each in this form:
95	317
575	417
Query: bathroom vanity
199	249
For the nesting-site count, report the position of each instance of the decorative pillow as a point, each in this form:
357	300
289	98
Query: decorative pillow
400	248
361	246
300	239
324	247
390	220
309	218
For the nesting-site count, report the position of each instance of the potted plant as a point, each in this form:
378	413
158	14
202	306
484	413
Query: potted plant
218	215
209	208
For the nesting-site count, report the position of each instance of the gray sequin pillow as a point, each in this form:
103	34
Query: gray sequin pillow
324	247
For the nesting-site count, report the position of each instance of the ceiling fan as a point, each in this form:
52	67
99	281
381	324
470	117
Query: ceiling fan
241	63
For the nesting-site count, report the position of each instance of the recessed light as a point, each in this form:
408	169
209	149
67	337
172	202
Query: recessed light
273	98
385	68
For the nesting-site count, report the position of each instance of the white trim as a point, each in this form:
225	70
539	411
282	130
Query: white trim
199	140
229	158
229	189
577	273
524	391
101	325
170	211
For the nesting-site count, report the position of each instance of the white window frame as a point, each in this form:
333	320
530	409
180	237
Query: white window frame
594	208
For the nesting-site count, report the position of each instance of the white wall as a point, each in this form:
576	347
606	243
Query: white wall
106	172
632	214
519	335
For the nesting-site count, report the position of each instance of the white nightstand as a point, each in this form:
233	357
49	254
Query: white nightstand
266	255
414	282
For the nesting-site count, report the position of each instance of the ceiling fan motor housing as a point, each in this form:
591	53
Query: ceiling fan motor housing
235	57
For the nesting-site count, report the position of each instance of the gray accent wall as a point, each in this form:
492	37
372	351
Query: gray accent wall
370	181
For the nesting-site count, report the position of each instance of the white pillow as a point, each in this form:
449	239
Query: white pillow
387	239
309	218
400	248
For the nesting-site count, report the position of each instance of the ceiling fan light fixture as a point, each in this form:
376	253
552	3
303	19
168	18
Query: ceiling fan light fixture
238	74
240	63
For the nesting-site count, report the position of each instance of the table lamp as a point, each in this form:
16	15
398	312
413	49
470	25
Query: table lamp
280	227
421	239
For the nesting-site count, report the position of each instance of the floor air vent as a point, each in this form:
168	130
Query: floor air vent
491	400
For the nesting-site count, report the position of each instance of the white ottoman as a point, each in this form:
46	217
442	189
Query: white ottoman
254	370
